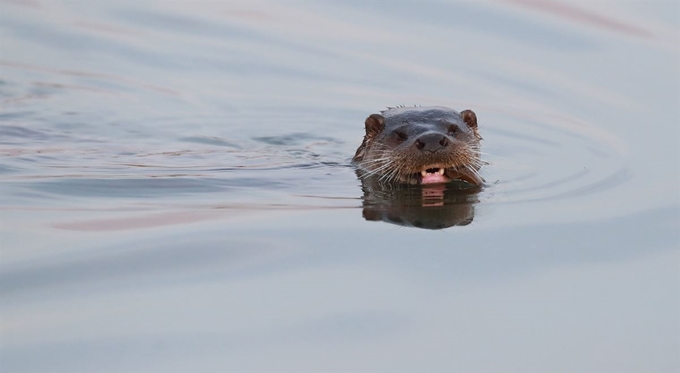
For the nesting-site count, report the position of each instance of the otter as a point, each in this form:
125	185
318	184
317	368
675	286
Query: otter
421	145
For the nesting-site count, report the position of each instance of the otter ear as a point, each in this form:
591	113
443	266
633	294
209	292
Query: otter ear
470	118
375	123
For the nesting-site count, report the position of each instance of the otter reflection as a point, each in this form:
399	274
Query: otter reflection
435	206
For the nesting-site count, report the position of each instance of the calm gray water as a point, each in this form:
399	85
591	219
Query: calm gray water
176	192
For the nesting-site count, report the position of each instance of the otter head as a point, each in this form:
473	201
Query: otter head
421	145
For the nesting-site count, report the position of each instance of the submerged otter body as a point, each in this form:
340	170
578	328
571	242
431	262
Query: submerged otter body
421	145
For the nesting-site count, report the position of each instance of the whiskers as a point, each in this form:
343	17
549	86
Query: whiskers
487	163
398	166
387	166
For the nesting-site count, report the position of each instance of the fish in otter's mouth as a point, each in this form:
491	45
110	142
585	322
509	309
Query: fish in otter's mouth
421	145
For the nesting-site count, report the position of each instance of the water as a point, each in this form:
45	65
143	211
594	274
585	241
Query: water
176	192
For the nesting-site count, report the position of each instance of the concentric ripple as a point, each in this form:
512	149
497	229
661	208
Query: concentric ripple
555	157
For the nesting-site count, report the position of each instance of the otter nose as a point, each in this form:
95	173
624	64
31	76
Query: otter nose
431	142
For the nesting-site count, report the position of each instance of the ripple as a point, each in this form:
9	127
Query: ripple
293	139
529	161
553	159
210	141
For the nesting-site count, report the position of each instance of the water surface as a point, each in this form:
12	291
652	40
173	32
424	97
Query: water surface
176	192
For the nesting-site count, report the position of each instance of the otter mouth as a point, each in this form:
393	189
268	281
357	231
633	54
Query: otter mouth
440	175
432	175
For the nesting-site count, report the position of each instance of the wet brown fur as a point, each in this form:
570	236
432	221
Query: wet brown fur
390	149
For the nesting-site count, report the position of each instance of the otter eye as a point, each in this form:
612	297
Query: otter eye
453	130
401	135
